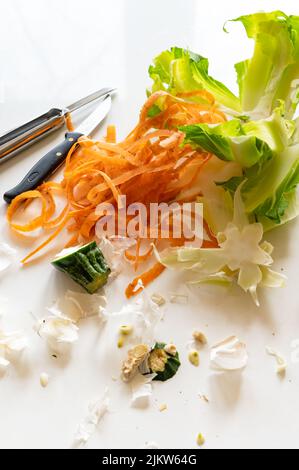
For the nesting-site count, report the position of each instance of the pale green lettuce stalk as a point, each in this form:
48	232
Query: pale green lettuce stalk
272	73
217	202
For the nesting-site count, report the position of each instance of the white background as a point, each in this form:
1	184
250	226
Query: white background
51	53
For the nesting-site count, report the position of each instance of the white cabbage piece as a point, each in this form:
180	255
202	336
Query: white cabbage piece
242	255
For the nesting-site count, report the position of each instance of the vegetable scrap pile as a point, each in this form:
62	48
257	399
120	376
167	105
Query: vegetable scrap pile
151	165
197	141
162	361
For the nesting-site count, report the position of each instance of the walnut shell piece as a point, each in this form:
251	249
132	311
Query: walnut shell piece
135	357
157	360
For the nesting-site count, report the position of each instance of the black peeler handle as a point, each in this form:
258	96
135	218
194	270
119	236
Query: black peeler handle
44	167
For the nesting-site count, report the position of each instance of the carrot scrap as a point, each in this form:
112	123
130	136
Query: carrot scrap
111	134
138	257
144	279
69	122
34	223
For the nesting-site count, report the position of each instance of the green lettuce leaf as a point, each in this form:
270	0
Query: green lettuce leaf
272	73
268	154
265	192
269	193
232	184
178	70
290	213
228	141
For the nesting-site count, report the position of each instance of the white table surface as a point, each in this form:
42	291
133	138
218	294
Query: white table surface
52	53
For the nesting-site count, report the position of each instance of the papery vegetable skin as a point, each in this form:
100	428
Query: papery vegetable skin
228	355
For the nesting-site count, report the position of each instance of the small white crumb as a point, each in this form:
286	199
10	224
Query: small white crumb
44	379
203	397
163	407
280	361
178	298
170	349
158	299
114	378
199	337
151	445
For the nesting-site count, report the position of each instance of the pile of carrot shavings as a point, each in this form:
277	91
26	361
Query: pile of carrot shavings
150	165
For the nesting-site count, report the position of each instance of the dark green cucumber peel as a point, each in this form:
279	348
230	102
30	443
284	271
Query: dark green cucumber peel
171	366
86	266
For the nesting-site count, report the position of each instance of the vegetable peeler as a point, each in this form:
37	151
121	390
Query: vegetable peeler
22	137
53	159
